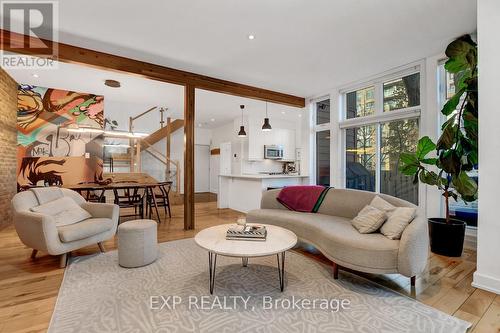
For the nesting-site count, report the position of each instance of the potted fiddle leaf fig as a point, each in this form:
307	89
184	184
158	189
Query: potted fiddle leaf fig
447	163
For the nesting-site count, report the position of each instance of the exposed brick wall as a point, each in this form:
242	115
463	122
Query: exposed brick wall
8	145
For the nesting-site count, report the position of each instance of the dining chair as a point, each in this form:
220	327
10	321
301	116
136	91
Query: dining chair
132	197
92	195
161	196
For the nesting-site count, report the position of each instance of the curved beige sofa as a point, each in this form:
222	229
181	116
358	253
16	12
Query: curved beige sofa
331	232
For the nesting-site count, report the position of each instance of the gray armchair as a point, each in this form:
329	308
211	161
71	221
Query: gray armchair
39	231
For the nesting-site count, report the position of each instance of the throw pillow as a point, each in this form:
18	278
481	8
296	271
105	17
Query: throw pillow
369	219
383	205
64	211
397	222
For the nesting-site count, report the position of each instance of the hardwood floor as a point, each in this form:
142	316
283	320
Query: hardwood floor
28	288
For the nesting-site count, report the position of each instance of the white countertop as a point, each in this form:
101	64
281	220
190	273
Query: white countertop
263	176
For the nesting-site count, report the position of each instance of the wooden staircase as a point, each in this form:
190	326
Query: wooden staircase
163	132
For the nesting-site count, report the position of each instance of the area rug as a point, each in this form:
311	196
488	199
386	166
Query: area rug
171	295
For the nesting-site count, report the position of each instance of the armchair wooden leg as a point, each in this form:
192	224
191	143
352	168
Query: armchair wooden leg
412	281
101	247
63	260
335	271
33	254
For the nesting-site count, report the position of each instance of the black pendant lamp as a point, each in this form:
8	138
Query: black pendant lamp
266	127
242	133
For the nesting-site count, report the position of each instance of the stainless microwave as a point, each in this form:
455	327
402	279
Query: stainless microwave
273	152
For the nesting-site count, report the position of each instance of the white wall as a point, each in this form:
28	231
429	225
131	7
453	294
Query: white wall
202	136
487	275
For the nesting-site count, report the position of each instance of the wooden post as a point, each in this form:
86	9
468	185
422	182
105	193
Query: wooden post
168	146
131	143
189	91
138	168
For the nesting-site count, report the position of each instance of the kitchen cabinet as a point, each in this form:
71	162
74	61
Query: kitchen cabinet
257	139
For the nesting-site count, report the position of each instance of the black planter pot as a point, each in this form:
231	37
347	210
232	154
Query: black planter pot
447	239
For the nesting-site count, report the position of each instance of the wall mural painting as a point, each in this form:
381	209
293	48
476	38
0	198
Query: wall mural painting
56	171
44	141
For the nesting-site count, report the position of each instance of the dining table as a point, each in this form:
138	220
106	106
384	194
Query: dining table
102	188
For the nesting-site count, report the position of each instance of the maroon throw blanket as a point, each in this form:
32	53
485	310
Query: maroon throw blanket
302	198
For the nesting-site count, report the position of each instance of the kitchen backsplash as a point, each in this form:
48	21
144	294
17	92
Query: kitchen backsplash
254	167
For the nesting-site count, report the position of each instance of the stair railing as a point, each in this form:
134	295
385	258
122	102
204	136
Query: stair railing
166	161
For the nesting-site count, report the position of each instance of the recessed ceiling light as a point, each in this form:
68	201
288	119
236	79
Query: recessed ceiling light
251	37
282	112
35	75
199	125
212	119
300	115
112	83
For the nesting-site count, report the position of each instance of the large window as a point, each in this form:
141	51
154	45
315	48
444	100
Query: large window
322	140
323	158
360	103
397	137
323	112
402	93
360	159
380	123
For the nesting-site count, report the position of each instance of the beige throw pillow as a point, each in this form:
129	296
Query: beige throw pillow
383	205
397	222
64	211
369	220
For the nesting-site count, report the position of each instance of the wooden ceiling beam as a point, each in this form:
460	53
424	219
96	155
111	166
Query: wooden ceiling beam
82	56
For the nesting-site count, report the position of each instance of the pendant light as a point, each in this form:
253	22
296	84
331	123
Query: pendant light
266	127
242	133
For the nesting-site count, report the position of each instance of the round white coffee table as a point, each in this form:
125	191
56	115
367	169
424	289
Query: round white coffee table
277	242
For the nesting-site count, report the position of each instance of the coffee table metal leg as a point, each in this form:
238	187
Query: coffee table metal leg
244	261
212	263
281	269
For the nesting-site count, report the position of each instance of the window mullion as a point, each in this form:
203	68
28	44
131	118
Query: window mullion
379	98
377	158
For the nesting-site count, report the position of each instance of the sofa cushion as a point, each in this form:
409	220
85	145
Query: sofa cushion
64	211
369	220
335	237
382	205
84	229
397	222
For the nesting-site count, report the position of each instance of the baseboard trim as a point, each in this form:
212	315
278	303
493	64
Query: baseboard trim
486	282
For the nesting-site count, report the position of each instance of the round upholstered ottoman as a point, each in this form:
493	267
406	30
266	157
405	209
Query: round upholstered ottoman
137	243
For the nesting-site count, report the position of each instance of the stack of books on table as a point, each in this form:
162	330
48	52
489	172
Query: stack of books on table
247	232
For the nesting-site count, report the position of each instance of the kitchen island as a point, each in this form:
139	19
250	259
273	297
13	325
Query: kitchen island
244	192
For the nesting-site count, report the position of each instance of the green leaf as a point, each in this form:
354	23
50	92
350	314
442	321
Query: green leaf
408	158
409	164
462	79
470	125
431	161
456	65
450	162
465	185
458	48
452	103
450	121
447	138
424	146
429	177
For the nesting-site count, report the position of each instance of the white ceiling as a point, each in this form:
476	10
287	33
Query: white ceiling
301	47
